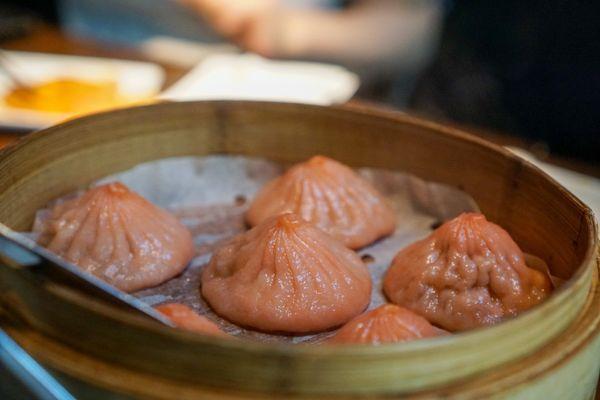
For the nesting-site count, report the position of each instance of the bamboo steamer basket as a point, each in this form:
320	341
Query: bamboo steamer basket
549	352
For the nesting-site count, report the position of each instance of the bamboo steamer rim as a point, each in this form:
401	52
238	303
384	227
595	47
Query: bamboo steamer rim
389	349
144	323
474	389
580	277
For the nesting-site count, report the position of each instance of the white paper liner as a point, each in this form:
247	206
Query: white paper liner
211	194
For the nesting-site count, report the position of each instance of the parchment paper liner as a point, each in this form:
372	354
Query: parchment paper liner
211	194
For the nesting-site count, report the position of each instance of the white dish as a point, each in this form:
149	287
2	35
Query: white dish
251	77
134	79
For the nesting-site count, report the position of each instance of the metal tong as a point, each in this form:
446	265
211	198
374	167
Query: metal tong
20	252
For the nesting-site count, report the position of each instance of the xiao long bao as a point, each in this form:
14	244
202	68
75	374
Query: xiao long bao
185	318
286	275
468	273
331	196
388	323
118	236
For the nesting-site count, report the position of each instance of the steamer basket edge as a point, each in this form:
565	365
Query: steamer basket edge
228	118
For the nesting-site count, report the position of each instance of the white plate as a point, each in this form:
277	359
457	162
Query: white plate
250	77
134	79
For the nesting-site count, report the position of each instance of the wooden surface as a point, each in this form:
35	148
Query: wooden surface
557	343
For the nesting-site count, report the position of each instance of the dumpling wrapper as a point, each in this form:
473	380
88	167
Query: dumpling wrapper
466	274
331	196
286	275
118	236
387	323
186	318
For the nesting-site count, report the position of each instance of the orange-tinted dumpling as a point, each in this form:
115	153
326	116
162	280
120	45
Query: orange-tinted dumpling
467	273
186	318
388	323
119	237
286	275
331	196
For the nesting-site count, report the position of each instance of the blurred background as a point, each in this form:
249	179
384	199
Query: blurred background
521	73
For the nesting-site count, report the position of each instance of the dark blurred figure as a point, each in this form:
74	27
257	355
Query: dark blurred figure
530	68
42	9
18	17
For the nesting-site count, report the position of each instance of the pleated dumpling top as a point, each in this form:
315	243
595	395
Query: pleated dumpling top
466	274
388	323
118	236
286	275
331	196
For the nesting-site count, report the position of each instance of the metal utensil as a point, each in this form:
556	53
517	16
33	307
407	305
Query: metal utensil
19	251
23	368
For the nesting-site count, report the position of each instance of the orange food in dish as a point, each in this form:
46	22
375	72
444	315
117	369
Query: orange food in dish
67	96
118	236
186	318
286	275
466	274
388	323
331	196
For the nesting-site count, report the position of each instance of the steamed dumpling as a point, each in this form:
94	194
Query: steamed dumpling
286	275
385	324
185	318
467	273
331	196
119	237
